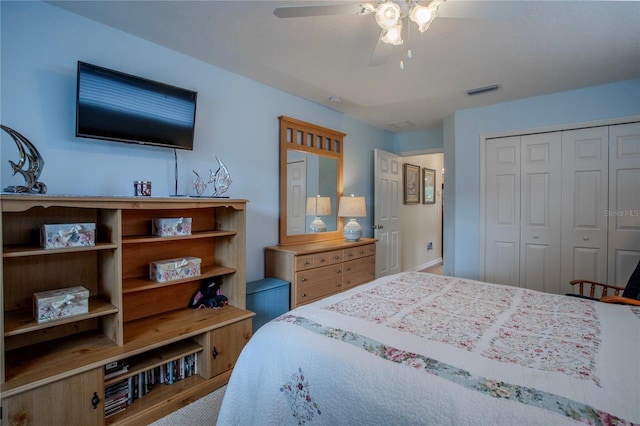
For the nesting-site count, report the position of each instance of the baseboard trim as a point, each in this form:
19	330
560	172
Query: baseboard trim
427	265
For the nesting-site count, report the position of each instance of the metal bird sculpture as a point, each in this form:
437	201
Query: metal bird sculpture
28	153
221	179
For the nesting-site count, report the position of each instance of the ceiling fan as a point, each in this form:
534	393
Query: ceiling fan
393	15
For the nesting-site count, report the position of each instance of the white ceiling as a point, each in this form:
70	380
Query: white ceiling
549	46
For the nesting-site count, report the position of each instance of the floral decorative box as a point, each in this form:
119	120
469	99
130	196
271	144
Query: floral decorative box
174	269
68	235
56	304
169	227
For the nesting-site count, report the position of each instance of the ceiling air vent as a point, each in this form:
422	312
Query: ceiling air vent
483	89
402	125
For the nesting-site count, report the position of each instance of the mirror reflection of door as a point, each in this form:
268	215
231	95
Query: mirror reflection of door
296	196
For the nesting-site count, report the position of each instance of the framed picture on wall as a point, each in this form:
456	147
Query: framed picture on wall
429	186
411	175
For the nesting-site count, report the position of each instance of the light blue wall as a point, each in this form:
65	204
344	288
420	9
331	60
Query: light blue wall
462	135
419	141
360	142
237	119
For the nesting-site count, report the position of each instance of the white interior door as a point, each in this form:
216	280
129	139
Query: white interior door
502	211
585	165
624	202
541	195
388	181
296	196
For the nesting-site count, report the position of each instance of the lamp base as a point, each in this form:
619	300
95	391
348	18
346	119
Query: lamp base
352	230
317	225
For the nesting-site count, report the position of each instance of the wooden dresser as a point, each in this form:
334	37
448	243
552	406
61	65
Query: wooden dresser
319	269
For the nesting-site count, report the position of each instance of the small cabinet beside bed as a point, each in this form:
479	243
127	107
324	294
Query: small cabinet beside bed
320	269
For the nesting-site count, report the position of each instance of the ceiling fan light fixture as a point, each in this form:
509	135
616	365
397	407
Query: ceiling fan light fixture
367	9
393	35
388	15
420	14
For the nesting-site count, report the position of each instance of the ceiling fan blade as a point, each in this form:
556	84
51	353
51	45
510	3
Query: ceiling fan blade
317	10
489	10
381	53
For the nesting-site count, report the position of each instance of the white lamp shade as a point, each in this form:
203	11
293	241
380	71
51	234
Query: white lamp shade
318	206
352	207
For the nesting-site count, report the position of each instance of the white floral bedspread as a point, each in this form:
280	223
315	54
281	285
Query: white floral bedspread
417	348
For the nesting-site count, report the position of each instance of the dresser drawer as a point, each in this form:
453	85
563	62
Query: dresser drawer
304	262
359	271
327	258
358	252
318	282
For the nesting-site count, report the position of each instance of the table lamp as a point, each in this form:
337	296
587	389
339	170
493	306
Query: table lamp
352	207
318	206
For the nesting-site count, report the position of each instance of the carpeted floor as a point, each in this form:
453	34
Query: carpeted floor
199	413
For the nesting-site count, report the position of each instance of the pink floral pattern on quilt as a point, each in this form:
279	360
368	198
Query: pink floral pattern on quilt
505	324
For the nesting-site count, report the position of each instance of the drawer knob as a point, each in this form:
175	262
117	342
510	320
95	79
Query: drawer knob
303	279
348	268
303	295
337	284
350	254
214	354
306	262
322	260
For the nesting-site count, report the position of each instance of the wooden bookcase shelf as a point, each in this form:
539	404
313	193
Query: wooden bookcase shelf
19	322
21	251
133	285
130	316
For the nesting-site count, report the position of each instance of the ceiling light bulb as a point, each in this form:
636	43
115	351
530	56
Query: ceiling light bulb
393	35
388	15
420	14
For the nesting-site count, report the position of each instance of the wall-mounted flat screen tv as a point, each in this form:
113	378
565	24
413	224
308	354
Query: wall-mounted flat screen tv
115	106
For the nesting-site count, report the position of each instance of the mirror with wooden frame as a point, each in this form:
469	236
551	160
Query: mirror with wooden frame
310	181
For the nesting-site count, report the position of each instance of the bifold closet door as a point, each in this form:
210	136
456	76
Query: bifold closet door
585	187
623	213
522	196
540	212
502	211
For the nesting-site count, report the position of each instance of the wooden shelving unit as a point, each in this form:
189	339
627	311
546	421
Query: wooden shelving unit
130	316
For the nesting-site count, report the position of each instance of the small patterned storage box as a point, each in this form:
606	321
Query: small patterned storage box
170	227
68	235
174	269
56	304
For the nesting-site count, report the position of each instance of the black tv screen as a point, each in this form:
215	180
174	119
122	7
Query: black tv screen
115	106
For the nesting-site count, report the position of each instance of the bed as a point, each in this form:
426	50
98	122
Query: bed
417	348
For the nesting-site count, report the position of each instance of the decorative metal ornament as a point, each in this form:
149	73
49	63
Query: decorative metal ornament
221	179
28	152
198	184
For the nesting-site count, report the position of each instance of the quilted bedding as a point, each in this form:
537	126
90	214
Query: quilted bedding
416	348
